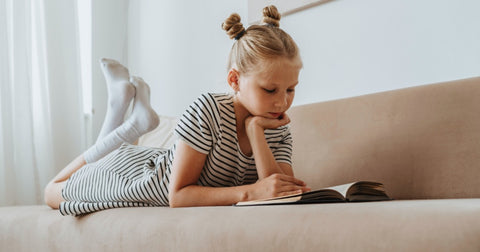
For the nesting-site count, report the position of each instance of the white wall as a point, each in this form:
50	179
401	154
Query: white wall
179	48
109	40
353	47
349	47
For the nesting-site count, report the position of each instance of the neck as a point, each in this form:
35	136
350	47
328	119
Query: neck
241	113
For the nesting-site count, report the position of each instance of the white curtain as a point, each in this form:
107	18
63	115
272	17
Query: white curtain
41	119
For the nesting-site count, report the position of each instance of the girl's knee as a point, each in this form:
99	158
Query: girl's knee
53	194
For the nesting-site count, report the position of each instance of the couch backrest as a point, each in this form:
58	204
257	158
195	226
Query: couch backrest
421	142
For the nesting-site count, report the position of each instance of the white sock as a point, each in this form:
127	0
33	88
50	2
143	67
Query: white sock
120	93
142	120
143	117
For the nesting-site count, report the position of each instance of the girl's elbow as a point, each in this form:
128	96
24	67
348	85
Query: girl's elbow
174	200
173	204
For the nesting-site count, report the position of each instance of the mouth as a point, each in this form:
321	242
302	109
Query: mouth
275	115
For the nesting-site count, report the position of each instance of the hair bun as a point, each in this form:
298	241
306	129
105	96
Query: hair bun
271	16
233	26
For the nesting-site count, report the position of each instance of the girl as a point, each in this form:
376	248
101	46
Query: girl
231	147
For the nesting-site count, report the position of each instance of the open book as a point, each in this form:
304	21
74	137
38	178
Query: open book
356	191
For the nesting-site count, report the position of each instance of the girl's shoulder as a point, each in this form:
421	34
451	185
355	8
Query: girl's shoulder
217	97
212	101
211	106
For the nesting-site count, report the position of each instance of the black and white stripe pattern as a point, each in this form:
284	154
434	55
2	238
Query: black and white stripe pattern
134	176
128	177
209	126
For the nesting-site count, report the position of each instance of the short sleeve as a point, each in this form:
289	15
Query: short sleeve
283	150
195	125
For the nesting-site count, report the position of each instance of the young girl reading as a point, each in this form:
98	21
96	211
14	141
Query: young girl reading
230	148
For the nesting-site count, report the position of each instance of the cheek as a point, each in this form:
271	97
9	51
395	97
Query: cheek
290	99
260	103
256	97
253	101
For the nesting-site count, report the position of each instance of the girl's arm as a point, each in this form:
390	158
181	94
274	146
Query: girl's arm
264	159
184	191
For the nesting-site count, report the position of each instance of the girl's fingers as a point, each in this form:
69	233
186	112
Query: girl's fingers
290	193
287	185
285	119
272	123
291	179
296	189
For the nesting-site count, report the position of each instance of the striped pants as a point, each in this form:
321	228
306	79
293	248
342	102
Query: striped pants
131	176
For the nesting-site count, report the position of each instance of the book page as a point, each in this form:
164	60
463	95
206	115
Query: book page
324	192
282	199
355	191
342	189
367	191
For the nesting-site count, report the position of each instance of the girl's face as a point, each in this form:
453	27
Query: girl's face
269	90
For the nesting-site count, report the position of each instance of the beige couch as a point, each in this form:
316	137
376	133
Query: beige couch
423	143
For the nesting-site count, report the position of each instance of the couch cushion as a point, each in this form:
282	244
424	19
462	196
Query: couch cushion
421	142
162	136
416	225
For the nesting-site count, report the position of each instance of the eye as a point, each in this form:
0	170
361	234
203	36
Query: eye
269	90
290	90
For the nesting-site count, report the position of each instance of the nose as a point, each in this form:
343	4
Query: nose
281	101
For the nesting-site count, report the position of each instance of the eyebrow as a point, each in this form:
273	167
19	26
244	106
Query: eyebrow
276	85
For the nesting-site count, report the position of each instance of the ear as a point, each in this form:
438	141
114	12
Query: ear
232	79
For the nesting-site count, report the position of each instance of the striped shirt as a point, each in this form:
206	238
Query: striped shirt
139	176
209	126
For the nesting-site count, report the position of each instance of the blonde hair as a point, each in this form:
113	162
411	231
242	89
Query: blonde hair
258	42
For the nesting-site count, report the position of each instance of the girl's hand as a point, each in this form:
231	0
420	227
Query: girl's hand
277	185
266	123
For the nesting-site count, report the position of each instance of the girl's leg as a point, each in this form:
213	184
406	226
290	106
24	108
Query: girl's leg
142	120
120	93
53	191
